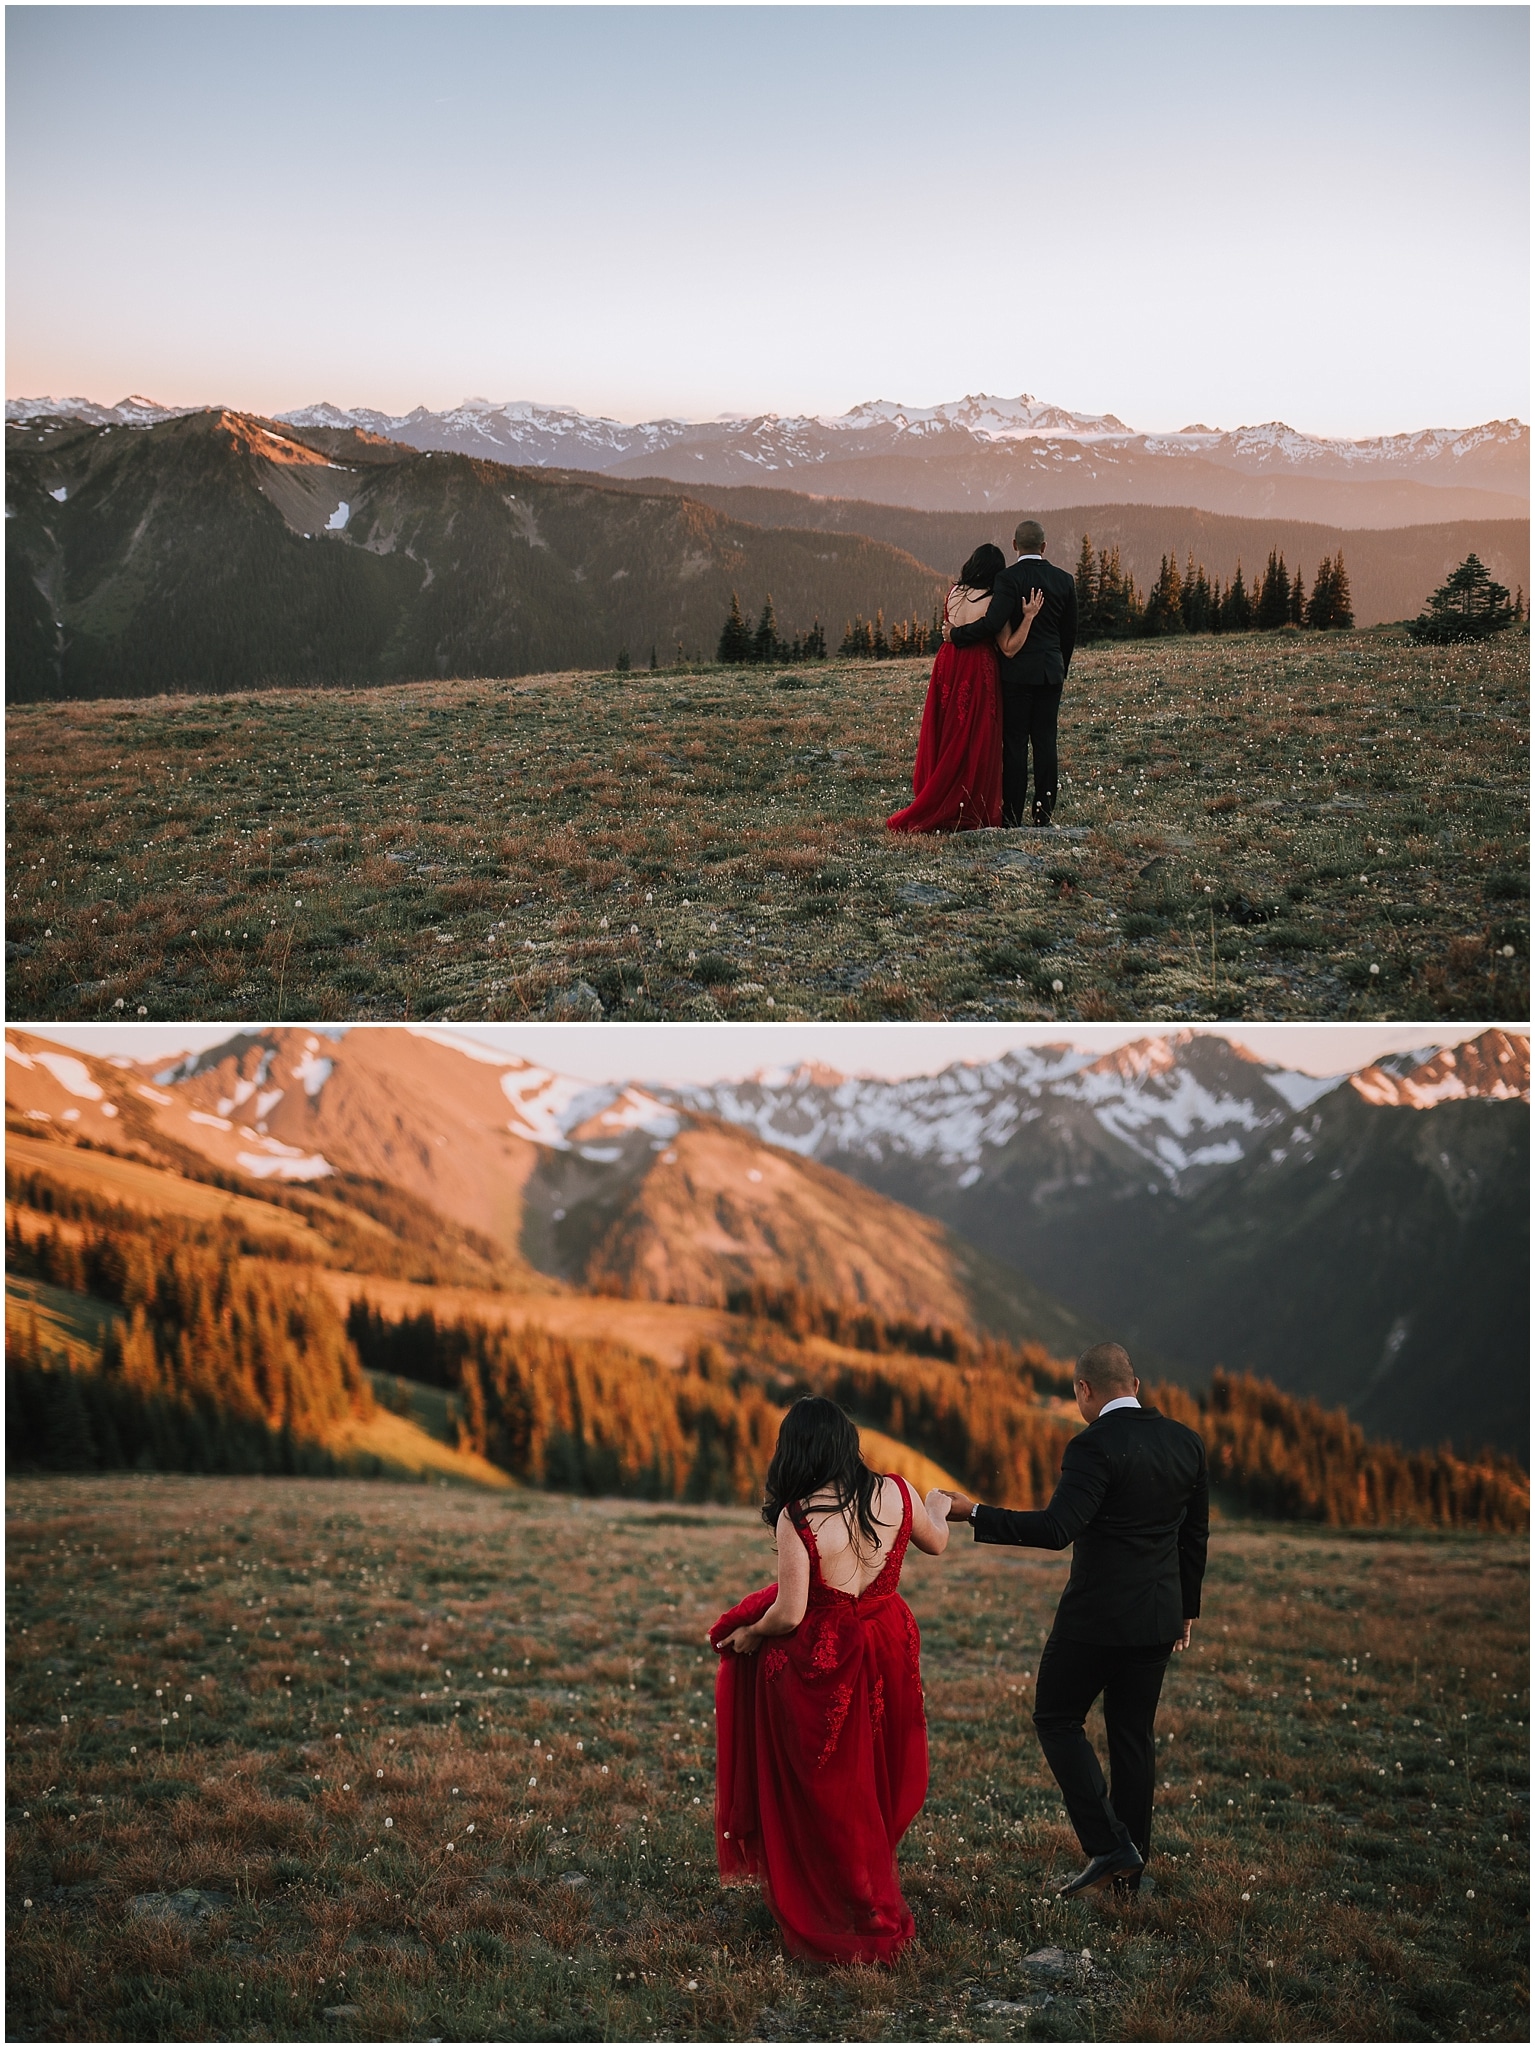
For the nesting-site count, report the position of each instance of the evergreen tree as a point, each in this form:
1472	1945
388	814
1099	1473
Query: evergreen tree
815	643
1342	619
622	663
765	645
1236	607
1519	605
1196	597
1217	622
1115	612
653	662
1319	604
1273	608
735	638
1164	607
1297	602
1467	606
1087	590
881	647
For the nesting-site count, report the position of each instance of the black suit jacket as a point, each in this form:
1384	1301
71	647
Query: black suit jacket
1044	660
1134	1498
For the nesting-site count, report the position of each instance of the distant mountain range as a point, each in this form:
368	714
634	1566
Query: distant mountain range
1363	1239
967	455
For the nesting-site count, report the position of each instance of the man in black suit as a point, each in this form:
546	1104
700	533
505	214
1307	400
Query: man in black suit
1134	1499
1034	677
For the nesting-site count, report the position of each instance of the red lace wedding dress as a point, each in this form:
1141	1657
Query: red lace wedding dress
822	1760
956	782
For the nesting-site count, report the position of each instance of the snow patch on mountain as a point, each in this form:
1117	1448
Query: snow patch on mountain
312	1071
284	1162
71	1074
1301	1090
552	1109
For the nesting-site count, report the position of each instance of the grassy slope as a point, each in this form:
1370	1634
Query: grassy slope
477	849
68	1324
155	1190
1342	1817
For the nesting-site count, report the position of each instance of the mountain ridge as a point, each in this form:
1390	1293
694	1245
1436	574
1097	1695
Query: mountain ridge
1178	1188
963	453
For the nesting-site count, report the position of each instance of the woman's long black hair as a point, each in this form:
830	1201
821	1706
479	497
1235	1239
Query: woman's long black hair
818	1448
983	567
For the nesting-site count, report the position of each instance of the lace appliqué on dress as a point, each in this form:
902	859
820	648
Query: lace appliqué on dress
774	1661
836	1715
827	1653
877	1702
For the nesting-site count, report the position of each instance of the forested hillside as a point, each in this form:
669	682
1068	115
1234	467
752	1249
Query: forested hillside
218	552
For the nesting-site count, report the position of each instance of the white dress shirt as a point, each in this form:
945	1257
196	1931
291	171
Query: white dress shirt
1123	1401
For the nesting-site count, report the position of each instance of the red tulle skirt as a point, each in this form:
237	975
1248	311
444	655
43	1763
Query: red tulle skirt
956	781
822	1767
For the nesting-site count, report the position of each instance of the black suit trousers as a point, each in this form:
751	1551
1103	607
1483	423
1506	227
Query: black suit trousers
1071	1676
1029	713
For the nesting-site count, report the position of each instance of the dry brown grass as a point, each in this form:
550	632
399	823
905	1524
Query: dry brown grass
1267	820
1344	1764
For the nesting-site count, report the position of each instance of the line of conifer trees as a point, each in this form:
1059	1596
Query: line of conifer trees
871	640
1297	1461
804	1313
740	642
1110	607
580	1415
592	1417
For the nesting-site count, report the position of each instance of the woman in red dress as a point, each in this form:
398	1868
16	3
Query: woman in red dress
822	1739
956	782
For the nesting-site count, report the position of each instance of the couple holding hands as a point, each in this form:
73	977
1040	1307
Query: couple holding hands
821	1733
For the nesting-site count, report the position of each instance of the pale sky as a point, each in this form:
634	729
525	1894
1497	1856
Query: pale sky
1226	214
719	1052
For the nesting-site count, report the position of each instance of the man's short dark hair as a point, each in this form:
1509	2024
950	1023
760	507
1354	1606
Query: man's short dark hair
1107	1369
1029	537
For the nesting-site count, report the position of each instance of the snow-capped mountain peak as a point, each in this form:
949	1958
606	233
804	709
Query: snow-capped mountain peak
1181	1106
1495	1066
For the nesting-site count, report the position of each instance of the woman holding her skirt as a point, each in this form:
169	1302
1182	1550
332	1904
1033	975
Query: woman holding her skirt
821	1733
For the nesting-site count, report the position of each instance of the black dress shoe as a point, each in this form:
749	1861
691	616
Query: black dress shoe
1125	1862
